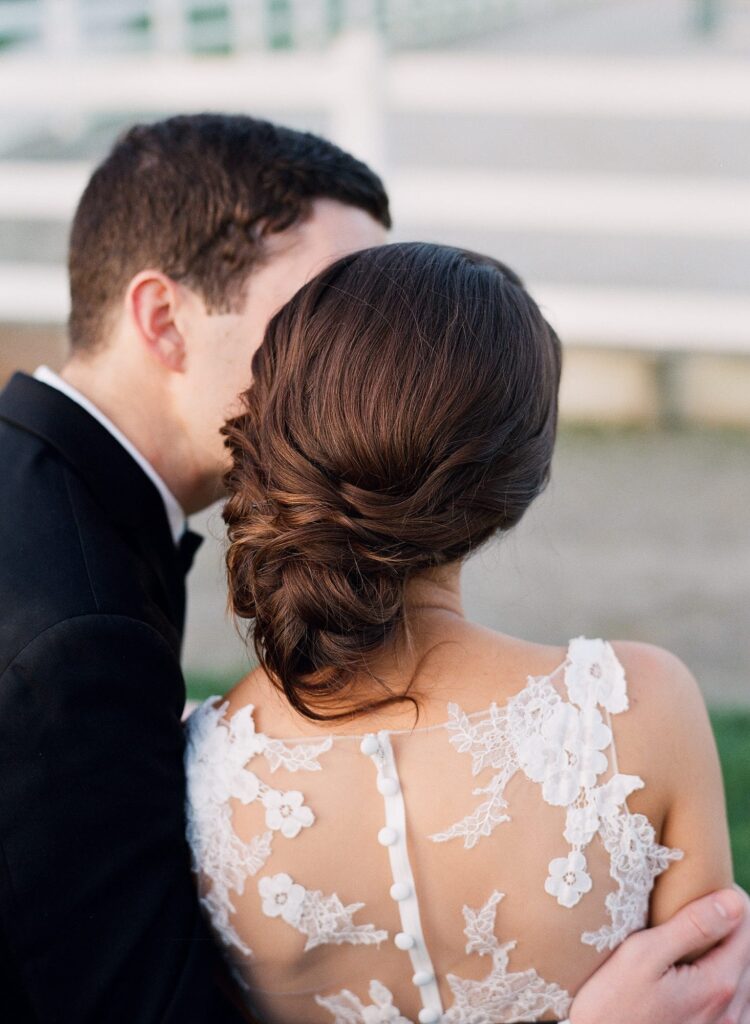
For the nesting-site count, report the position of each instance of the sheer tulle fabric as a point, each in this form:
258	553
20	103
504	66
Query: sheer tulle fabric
471	873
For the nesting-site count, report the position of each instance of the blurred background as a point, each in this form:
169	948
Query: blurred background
601	147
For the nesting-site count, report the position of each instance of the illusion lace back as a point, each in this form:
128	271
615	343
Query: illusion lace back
475	872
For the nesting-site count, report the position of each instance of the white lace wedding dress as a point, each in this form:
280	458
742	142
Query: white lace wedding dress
474	872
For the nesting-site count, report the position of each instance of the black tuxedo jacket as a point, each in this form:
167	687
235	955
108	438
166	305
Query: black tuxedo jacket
99	921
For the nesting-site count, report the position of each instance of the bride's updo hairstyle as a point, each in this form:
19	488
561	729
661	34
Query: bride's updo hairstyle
403	410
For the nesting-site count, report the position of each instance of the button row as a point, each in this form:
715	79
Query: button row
388	786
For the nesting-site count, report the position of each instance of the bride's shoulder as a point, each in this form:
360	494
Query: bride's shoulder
666	737
665	709
656	680
659	682
258	698
254	690
666	734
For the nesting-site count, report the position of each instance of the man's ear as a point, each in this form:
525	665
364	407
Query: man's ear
151	302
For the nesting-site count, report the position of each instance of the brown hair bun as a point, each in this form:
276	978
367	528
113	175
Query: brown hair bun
403	410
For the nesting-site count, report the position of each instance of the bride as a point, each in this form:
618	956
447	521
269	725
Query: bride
401	816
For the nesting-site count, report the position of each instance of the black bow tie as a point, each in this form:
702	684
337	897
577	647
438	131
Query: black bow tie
187	546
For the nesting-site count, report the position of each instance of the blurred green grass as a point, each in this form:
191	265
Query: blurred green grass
201	687
732	729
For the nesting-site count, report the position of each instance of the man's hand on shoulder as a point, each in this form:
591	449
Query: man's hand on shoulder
644	981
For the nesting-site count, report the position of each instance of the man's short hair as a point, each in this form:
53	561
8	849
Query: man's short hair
194	197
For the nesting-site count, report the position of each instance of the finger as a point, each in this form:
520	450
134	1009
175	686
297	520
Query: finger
696	927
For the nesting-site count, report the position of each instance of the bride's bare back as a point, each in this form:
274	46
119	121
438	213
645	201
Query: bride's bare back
474	870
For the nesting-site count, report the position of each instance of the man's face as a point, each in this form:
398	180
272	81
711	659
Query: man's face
221	346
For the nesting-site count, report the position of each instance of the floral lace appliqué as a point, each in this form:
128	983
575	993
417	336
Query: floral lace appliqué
495	742
503	995
346	1008
593	675
636	859
561	745
286	812
323	919
216	764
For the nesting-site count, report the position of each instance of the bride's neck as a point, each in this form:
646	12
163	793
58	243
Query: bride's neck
433	611
433	616
435	591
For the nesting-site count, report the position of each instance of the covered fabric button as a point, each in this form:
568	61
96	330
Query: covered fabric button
387	786
423	978
369	745
404	941
429	1016
400	891
387	836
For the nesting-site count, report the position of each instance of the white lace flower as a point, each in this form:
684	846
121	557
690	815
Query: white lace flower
538	758
281	897
248	742
561	788
234	780
533	707
218	754
593	675
568	879
286	812
581	824
565	754
245	785
543	753
595	736
609	798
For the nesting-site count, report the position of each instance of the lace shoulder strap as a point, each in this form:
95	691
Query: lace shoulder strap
595	679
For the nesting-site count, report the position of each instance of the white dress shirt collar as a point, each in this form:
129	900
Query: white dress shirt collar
175	513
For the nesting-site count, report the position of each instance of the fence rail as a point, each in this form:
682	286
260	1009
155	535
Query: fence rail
688	88
357	86
239	25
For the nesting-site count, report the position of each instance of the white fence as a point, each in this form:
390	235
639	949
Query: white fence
167	26
358	87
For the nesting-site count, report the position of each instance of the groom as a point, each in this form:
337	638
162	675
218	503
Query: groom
188	237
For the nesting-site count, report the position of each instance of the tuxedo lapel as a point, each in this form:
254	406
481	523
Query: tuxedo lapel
126	495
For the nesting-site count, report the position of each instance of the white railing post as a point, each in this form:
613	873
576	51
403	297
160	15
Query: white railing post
308	23
61	26
169	26
248	25
358	99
